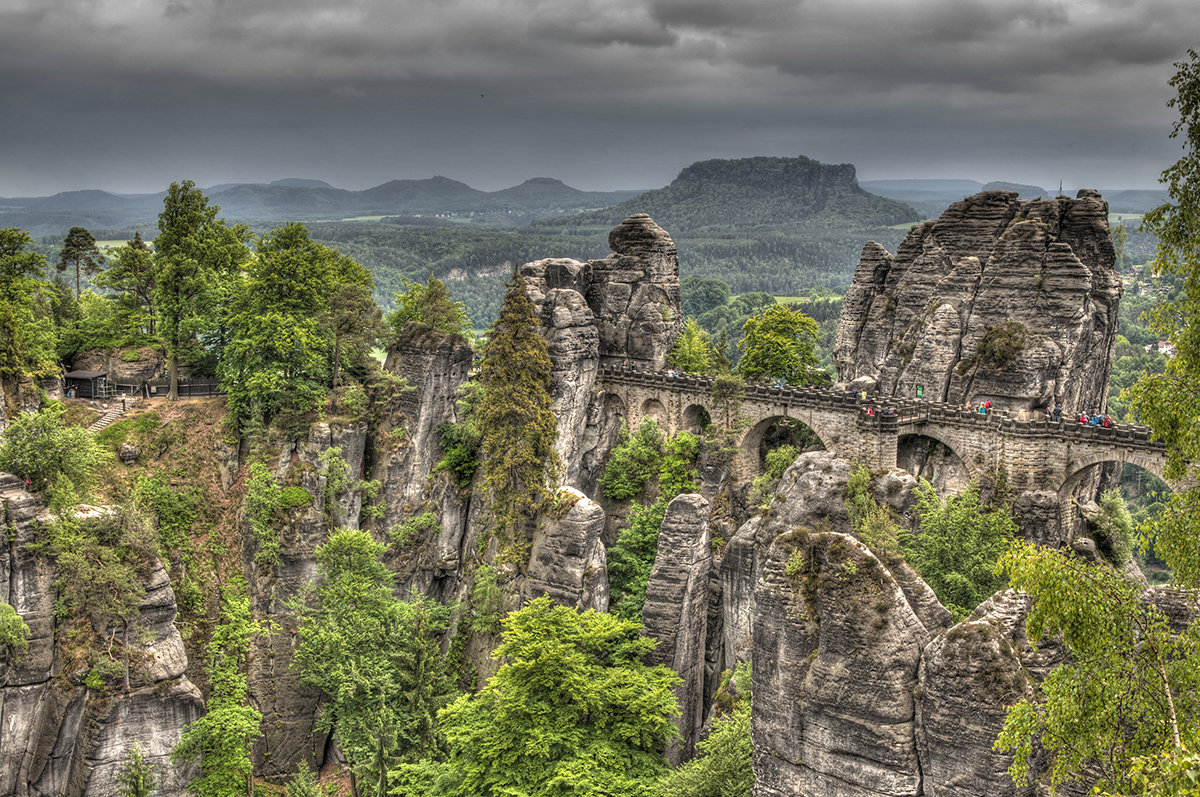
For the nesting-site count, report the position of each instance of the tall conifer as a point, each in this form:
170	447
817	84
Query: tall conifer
516	418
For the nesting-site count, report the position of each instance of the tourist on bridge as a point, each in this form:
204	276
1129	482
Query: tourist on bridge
1058	413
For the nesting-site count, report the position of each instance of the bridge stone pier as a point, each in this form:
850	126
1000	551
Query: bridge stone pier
1035	454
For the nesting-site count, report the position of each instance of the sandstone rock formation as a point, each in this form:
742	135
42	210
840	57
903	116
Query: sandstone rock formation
969	676
566	559
999	299
143	363
633	293
57	737
676	611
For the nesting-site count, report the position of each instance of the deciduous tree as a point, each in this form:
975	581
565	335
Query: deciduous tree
131	274
780	343
27	338
220	741
195	256
572	710
377	659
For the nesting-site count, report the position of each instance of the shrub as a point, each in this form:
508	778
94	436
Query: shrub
413	530
62	460
631	559
633	462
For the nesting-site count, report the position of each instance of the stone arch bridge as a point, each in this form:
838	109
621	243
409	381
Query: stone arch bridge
1035	454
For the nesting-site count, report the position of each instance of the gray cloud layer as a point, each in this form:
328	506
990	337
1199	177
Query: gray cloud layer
130	94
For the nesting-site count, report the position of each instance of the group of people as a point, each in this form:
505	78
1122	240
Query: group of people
871	413
984	407
1095	420
1084	419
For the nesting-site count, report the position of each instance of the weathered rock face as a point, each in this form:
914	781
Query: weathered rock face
676	611
572	341
633	293
275	687
148	364
567	558
434	365
998	299
969	677
836	650
57	737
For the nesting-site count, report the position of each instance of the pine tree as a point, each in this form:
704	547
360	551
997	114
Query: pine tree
516	418
136	778
79	250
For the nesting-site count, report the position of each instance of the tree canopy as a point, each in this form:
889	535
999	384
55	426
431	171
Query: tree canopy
780	343
572	710
515	415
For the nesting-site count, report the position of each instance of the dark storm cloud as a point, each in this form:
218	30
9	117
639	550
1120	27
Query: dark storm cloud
129	94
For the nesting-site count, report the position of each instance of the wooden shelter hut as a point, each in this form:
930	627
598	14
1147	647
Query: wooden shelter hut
87	384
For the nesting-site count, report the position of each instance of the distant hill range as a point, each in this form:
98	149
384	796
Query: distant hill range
296	199
716	196
931	197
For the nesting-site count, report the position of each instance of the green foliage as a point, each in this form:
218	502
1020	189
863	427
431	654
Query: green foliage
999	347
515	416
631	558
79	250
678	471
777	461
873	524
572	710
101	562
1113	527
93	325
487	601
722	766
780	343
263	500
131	274
376	658
221	739
304	782
694	352
136	777
632	462
428	305
290	314
174	509
959	543
27	339
63	460
698	295
460	450
195	259
14	632
414	530
1130	689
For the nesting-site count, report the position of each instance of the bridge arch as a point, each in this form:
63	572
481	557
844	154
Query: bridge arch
931	454
696	418
653	408
1087	465
1081	468
751	454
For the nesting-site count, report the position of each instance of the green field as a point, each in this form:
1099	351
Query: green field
1116	217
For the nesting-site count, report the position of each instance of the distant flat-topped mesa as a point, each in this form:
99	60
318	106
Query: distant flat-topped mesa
633	294
999	299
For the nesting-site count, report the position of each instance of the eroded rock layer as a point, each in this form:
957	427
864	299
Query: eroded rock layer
999	299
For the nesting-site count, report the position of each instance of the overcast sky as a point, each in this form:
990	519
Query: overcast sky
128	95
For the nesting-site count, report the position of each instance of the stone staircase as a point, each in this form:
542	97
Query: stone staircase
119	408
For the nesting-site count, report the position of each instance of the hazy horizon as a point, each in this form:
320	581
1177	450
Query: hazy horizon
127	96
